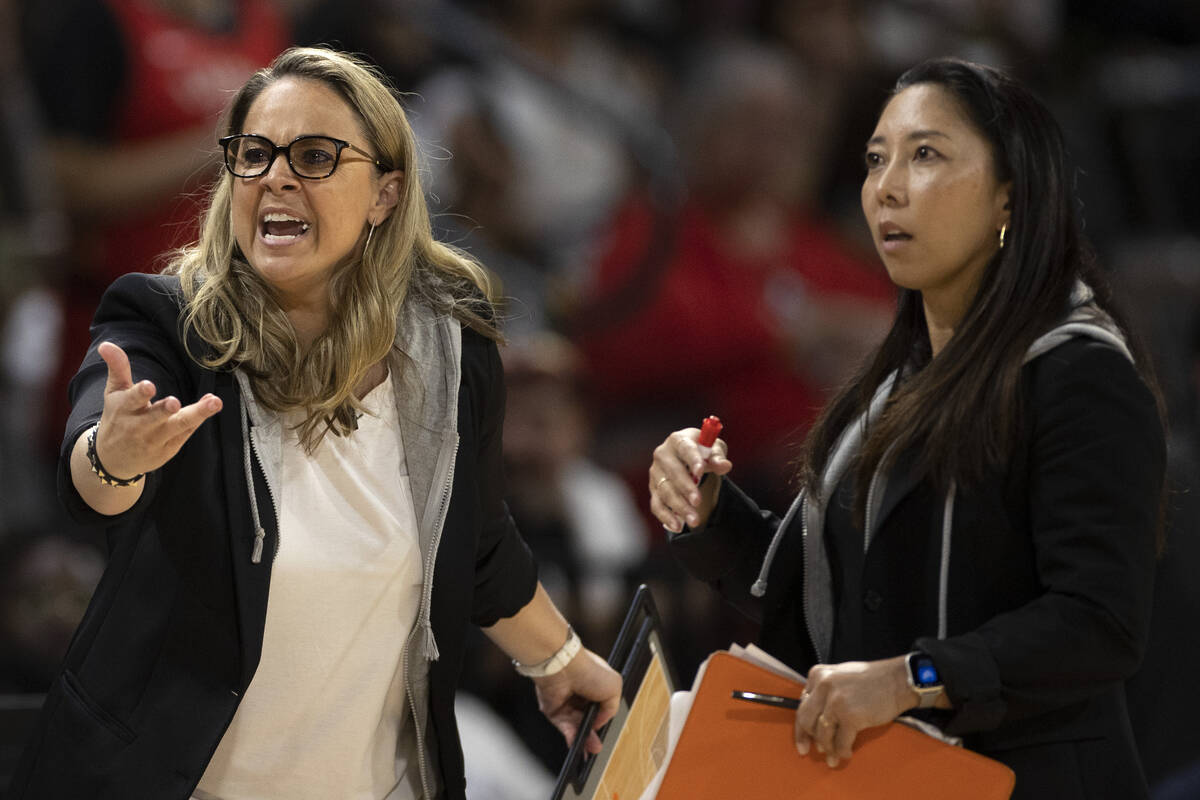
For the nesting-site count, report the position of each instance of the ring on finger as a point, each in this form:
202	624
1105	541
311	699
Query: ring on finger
824	720
661	481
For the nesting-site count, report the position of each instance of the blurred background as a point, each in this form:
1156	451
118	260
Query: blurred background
668	193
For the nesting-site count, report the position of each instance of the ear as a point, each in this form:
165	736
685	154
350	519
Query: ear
387	197
1003	204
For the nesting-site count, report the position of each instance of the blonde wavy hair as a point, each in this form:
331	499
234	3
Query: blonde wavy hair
234	311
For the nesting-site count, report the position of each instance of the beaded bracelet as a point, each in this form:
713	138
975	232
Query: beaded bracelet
98	468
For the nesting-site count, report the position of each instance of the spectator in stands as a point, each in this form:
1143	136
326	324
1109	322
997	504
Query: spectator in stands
132	90
757	298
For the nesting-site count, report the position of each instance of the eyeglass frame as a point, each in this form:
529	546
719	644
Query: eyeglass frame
286	149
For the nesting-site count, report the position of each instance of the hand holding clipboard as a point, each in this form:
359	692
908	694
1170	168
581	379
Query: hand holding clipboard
732	748
633	744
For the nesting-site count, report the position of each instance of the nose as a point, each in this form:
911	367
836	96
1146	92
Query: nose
891	186
279	176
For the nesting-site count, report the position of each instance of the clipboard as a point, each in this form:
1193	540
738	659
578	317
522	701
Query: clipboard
634	742
730	748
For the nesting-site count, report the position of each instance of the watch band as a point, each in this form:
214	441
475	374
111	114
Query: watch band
554	663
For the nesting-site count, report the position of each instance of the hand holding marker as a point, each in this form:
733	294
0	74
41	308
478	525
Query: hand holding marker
709	430
680	450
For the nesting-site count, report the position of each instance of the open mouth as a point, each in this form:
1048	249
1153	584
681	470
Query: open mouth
279	228
892	235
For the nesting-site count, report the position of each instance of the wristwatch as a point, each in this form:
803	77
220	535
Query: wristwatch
923	678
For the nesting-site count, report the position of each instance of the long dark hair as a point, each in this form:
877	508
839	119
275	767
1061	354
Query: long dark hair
962	410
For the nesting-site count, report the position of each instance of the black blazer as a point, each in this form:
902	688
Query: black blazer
1051	571
174	632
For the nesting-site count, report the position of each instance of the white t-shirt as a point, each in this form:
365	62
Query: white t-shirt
327	712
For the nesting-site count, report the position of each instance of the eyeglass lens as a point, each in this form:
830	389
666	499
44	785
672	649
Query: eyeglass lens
309	156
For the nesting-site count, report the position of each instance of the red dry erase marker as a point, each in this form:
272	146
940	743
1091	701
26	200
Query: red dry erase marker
709	430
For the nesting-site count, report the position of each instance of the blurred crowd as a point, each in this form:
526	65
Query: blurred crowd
667	192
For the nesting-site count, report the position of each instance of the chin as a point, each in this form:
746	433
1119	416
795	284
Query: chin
899	279
275	272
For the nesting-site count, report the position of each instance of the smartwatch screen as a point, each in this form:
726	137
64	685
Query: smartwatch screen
924	673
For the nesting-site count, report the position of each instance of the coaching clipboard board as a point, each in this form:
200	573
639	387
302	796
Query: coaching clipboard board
635	740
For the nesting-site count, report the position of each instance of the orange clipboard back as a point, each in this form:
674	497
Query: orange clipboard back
733	749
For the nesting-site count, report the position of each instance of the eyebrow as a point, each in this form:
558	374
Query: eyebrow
921	134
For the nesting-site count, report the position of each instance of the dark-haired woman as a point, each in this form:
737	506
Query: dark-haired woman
976	528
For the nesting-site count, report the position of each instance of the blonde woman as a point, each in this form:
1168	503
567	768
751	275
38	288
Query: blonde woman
292	442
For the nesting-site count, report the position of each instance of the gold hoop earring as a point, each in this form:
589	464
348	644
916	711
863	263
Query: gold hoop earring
1003	230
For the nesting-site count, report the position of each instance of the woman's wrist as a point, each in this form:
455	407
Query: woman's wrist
97	467
897	677
906	687
555	662
100	497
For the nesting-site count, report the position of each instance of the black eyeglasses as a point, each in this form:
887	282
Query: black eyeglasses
248	155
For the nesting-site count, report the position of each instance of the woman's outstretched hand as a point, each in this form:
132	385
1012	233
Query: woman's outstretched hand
564	696
136	434
676	494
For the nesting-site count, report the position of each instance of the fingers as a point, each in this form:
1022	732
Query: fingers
670	507
673	494
823	735
138	436
569	730
831	714
593	744
178	422
843	744
184	420
565	696
164	407
567	720
834	737
688	451
718	463
816	722
823	730
675	498
806	720
120	392
120	376
608	710
800	731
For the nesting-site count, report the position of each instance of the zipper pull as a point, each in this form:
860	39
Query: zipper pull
256	555
429	646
